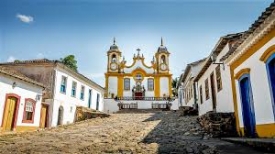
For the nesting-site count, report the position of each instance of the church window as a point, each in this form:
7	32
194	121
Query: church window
138	77
126	84
218	78
28	116
163	59
206	89
150	84
113	58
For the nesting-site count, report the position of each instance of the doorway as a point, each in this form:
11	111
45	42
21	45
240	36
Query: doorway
213	91
247	106
9	118
44	116
271	74
60	115
97	101
90	98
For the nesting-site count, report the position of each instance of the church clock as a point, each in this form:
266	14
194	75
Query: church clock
113	66
163	67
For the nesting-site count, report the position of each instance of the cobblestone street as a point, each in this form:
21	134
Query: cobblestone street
161	132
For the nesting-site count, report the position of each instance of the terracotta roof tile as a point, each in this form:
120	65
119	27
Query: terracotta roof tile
16	74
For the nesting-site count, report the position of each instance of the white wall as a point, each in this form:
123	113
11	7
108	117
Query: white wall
164	86
112	86
181	99
24	90
260	87
69	102
139	64
110	106
224	97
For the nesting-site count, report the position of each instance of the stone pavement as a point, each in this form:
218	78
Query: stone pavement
160	132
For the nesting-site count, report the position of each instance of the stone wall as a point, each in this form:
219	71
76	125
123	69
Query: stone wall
218	124
83	113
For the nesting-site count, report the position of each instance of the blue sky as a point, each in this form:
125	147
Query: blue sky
52	29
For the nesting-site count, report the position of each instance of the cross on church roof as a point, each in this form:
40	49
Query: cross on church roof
114	41
138	50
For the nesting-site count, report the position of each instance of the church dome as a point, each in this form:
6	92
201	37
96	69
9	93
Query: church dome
162	48
114	47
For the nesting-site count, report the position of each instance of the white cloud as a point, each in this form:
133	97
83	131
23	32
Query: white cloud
11	59
24	18
40	55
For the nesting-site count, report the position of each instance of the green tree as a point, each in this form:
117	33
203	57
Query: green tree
174	86
70	62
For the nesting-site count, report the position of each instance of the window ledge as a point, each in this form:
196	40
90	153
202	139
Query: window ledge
27	121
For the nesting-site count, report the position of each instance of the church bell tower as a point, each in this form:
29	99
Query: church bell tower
162	59
114	56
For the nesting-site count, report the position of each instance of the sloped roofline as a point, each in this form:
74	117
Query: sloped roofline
54	62
18	75
217	50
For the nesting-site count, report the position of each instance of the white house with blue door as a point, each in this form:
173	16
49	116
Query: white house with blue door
252	68
65	89
213	80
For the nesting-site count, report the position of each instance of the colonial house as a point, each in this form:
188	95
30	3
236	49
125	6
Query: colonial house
188	87
179	88
20	102
252	69
65	89
213	80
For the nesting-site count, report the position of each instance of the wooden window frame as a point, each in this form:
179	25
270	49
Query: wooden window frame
65	84
33	112
124	85
206	89
218	78
74	89
82	93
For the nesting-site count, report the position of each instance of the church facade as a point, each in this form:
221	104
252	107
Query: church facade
138	81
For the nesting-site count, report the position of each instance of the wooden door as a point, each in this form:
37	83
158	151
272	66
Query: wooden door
9	116
213	92
247	107
43	116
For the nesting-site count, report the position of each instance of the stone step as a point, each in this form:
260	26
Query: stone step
262	144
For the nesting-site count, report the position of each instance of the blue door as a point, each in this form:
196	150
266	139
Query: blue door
271	73
90	98
247	106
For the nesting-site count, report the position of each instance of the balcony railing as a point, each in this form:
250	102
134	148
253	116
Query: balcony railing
146	98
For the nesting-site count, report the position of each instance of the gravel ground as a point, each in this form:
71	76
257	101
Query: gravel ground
161	132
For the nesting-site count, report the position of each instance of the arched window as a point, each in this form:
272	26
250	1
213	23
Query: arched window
113	58
163	59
